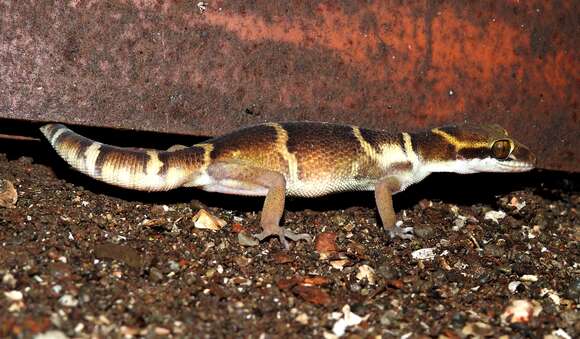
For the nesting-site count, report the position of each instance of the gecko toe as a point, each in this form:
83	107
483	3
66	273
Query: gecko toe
405	233
282	234
297	236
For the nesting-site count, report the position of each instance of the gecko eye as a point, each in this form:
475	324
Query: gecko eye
501	149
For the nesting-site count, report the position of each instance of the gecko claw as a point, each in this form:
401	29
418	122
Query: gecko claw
282	234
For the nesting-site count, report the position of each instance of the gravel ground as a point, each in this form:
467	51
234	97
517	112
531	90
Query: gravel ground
494	255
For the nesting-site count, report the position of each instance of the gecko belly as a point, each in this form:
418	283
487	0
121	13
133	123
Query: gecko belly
305	189
310	189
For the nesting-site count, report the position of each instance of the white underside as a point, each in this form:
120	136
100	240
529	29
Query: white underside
300	188
323	187
297	188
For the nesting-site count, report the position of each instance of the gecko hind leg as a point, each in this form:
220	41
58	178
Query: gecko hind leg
248	180
384	199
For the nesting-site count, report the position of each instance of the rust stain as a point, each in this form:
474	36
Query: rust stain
334	31
481	52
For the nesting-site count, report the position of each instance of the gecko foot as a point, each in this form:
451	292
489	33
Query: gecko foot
405	233
282	234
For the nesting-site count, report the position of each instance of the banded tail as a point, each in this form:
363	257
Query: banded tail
133	168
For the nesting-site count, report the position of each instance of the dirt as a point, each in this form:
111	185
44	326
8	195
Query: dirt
79	258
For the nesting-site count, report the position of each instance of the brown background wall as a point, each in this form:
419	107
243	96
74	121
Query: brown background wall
385	64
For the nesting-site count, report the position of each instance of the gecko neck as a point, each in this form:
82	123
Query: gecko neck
435	154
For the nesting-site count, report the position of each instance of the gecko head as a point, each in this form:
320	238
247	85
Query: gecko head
481	148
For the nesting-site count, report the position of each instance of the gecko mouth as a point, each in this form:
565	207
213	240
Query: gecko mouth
516	166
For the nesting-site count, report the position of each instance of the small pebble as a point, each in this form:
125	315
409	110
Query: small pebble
68	301
366	272
8	194
9	280
204	220
14	295
459	223
349	319
162	331
247	240
174	266
529	278
423	254
560	334
302	318
514	285
521	311
518	205
51	335
494	216
339	264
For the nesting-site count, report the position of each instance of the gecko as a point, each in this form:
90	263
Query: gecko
304	159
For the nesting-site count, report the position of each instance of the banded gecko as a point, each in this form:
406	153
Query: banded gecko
306	159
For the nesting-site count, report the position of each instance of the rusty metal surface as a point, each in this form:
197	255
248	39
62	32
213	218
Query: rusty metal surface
178	68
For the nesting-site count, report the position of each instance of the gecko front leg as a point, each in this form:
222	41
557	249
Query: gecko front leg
273	210
384	198
249	180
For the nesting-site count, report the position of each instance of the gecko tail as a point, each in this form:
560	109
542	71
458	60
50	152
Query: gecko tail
138	169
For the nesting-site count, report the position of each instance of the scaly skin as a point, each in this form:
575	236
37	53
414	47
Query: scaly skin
305	159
